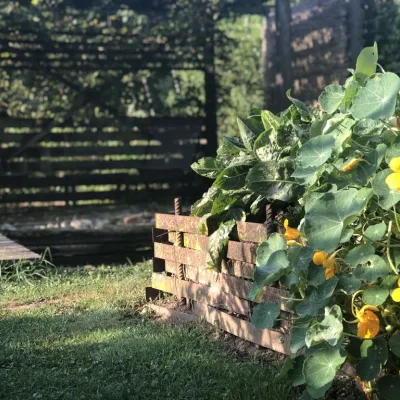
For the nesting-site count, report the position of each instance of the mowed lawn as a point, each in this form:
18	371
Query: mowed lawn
79	335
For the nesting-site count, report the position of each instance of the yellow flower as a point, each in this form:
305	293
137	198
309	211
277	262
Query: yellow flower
368	325
396	295
290	233
320	257
393	181
394	164
329	263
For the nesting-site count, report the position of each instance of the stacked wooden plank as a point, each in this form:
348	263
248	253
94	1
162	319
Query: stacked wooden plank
11	251
218	297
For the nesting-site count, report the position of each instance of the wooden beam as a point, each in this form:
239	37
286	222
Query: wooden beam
227	283
238	327
200	293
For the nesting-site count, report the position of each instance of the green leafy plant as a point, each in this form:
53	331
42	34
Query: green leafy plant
252	170
340	162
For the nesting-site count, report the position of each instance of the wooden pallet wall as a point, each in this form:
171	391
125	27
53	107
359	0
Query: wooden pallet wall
218	297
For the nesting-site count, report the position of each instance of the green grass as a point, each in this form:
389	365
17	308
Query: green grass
78	335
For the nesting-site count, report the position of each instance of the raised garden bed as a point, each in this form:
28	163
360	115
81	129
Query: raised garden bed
220	298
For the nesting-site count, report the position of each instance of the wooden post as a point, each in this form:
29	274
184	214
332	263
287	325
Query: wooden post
210	83
355	30
284	79
269	60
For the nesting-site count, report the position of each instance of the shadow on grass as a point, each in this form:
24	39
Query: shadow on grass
109	354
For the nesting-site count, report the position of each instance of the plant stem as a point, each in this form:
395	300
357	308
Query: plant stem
395	218
388	249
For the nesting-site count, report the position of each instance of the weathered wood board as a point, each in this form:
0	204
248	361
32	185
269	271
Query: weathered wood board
12	251
220	298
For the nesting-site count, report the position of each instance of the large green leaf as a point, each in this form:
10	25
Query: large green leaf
394	343
330	329
366	63
375	232
378	98
300	257
349	283
298	338
321	367
265	314
331	98
351	90
316	151
263	148
232	178
328	216
295	374
319	298
389	387
394	150
223	202
368	368
232	145
375	268
272	180
374	355
277	242
366	264
243	160
320	392
337	124
270	120
207	167
275	263
360	254
287	365
274	243
368	127
387	198
377	347
247	135
218	242
375	296
204	205
300	106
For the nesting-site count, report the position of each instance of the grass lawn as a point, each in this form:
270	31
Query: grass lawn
76	335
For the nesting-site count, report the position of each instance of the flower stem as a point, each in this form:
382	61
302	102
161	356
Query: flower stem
395	218
389	235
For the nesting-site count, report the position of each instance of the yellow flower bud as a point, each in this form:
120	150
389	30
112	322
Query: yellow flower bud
393	181
396	295
320	258
394	164
352	164
385	312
